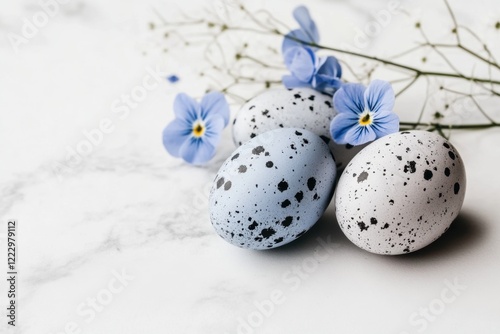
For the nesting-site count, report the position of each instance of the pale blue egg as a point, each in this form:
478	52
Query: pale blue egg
272	189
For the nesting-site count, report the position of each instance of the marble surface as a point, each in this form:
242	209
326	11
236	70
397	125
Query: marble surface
120	242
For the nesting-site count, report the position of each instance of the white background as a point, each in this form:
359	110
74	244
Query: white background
130	207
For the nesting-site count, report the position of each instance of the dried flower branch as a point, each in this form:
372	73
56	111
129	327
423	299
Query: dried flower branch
241	70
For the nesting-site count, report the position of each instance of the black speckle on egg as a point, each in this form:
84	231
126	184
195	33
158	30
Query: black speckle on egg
287	221
285	203
298	133
267	232
242	169
362	226
427	175
311	183
227	185
447	171
235	156
452	155
258	150
446	145
220	182
456	188
299	196
410	167
253	225
373	221
362	177
283	185
269	164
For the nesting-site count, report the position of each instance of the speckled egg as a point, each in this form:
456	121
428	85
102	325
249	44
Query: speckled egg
401	192
272	189
303	108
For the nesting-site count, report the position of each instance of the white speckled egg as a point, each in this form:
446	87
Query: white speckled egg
303	108
401	192
272	189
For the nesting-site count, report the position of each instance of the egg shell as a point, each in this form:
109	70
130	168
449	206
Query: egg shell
303	108
272	189
401	192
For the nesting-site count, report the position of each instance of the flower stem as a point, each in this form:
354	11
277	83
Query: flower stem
418	72
451	126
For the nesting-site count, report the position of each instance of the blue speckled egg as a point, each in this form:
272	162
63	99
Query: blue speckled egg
401	192
303	108
272	189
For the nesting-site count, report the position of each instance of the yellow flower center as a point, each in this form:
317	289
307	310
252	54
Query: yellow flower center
365	118
198	129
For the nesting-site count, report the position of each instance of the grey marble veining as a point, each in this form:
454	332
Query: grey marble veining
122	242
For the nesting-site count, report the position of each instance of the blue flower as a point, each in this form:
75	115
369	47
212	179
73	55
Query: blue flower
173	78
195	132
309	70
365	113
308	31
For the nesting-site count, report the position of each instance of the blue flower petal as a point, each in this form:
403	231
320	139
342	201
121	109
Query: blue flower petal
186	108
173	78
330	66
326	84
175	134
292	82
359	135
215	103
340	125
308	32
301	62
379	95
291	40
385	122
327	78
306	23
350	99
197	151
214	126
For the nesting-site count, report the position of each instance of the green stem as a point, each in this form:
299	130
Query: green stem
417	71
452	126
405	67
